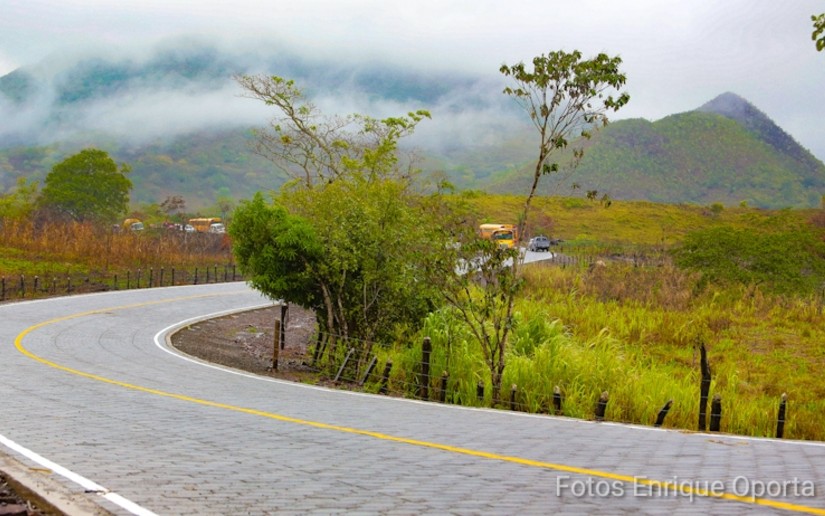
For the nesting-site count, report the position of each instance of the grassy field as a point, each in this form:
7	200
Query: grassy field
634	331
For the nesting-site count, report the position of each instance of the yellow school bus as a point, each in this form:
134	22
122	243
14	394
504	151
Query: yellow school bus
505	235
207	224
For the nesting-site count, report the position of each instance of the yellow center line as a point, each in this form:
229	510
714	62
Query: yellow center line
661	486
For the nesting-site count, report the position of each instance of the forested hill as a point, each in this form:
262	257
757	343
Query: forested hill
727	151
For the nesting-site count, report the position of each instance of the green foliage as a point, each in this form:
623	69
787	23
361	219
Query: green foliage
353	196
818	34
277	251
87	186
20	202
783	260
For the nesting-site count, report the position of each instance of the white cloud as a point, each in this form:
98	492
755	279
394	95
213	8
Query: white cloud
677	55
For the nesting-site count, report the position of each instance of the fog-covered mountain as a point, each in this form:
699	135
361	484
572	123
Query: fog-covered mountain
176	115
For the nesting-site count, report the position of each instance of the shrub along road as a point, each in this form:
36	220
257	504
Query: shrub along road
142	430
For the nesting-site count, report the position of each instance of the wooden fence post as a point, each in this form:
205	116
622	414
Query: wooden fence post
601	406
660	419
276	347
385	378
513	392
3	288
114	283
557	400
424	380
138	278
442	393
196	276
715	413
173	276
151	277
480	391
704	388
22	286
780	417
350	351
370	367
160	282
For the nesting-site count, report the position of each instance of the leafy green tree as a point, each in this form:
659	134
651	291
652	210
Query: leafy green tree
87	186
566	98
20	202
818	34
348	229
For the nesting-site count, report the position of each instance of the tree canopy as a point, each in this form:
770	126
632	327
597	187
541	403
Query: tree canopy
87	186
343	236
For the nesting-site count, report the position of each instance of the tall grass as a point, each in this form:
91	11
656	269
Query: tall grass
633	332
60	247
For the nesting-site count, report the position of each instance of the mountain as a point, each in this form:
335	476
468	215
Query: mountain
726	151
177	117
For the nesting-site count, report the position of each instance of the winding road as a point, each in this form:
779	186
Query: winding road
96	401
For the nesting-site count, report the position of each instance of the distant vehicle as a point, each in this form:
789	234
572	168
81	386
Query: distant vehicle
217	227
189	228
539	243
132	225
505	235
204	224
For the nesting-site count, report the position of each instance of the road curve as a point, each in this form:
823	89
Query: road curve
93	398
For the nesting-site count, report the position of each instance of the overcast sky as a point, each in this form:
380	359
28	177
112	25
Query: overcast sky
677	55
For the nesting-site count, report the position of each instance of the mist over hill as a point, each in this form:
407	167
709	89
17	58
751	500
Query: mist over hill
175	114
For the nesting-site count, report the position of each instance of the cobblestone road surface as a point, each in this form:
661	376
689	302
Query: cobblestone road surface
90	387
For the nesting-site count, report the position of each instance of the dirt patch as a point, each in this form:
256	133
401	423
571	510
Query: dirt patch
246	341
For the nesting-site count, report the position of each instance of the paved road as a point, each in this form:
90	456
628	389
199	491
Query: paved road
89	386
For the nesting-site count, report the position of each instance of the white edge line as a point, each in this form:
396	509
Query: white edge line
78	479
163	337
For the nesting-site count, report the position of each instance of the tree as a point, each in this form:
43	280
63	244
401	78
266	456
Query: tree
818	34
87	186
566	98
315	149
349	226
19	203
173	204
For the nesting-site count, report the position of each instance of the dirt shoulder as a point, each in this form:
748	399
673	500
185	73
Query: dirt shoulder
246	341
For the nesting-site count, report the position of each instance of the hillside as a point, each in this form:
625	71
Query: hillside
727	151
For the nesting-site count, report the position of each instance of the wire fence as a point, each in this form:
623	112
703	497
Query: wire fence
22	286
348	361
